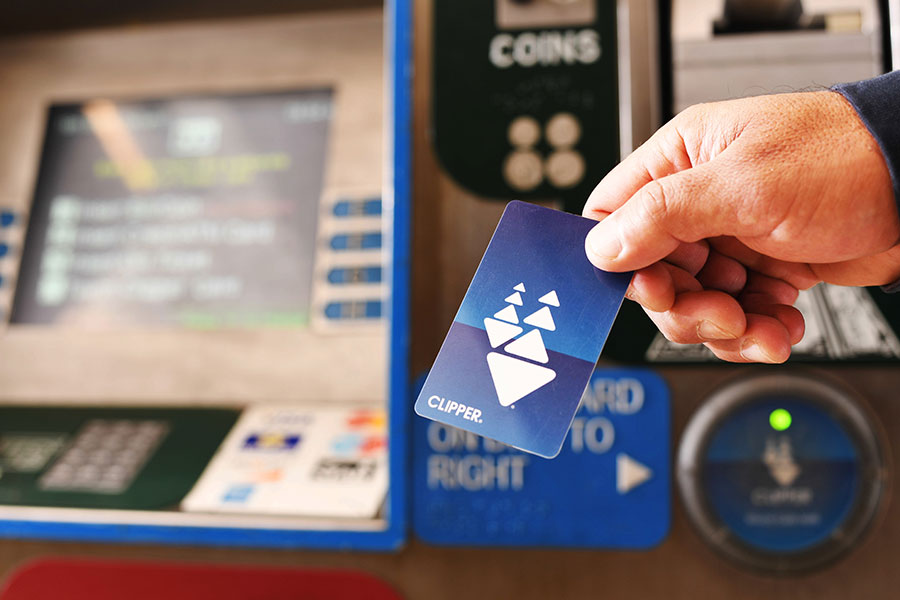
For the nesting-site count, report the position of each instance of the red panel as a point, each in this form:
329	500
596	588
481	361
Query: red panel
55	578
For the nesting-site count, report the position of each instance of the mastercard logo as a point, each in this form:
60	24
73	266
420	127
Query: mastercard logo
367	418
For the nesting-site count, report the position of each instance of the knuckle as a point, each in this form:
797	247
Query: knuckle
655	203
691	114
678	335
674	329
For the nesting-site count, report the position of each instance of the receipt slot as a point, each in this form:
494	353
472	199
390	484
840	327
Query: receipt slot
781	473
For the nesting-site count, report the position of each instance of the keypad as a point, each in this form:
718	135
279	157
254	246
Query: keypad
105	456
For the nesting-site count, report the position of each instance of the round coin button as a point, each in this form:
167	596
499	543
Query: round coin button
523	170
524	132
563	130
565	168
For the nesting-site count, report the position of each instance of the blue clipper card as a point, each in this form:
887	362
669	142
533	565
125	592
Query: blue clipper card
524	343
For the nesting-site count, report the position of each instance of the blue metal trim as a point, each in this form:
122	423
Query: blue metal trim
398	46
399	34
201	536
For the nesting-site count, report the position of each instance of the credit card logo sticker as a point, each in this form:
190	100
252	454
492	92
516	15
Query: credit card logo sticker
367	419
515	378
344	470
238	494
355	444
271	441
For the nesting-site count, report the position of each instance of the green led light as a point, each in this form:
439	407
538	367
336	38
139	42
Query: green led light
780	419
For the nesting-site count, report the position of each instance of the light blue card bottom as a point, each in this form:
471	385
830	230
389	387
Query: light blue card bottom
461	377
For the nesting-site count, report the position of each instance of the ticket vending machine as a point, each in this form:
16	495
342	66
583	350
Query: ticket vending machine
199	281
680	477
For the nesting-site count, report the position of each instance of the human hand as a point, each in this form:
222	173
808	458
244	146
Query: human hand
732	207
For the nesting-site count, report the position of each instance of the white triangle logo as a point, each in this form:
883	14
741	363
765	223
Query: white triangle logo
541	318
549	298
500	332
514	378
630	473
516	299
520	288
508	314
530	346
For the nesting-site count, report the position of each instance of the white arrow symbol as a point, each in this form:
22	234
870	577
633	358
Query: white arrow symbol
630	473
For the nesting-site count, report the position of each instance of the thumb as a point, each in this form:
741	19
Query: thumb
684	207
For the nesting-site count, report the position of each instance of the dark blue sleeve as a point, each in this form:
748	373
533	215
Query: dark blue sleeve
878	103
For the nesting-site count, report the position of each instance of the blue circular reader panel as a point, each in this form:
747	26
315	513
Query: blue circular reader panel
785	487
781	472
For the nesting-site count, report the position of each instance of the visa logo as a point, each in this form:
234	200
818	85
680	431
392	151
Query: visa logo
271	441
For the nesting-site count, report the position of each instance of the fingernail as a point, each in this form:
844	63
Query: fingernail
750	350
634	296
603	244
707	330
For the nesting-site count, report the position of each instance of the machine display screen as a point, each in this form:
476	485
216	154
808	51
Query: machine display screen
196	211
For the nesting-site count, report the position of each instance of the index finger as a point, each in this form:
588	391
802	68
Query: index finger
663	154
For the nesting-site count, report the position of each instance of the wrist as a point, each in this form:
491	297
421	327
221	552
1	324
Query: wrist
875	104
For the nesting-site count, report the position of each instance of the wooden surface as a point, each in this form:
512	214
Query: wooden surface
451	231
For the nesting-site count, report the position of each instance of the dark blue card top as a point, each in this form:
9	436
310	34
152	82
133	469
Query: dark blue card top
522	347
